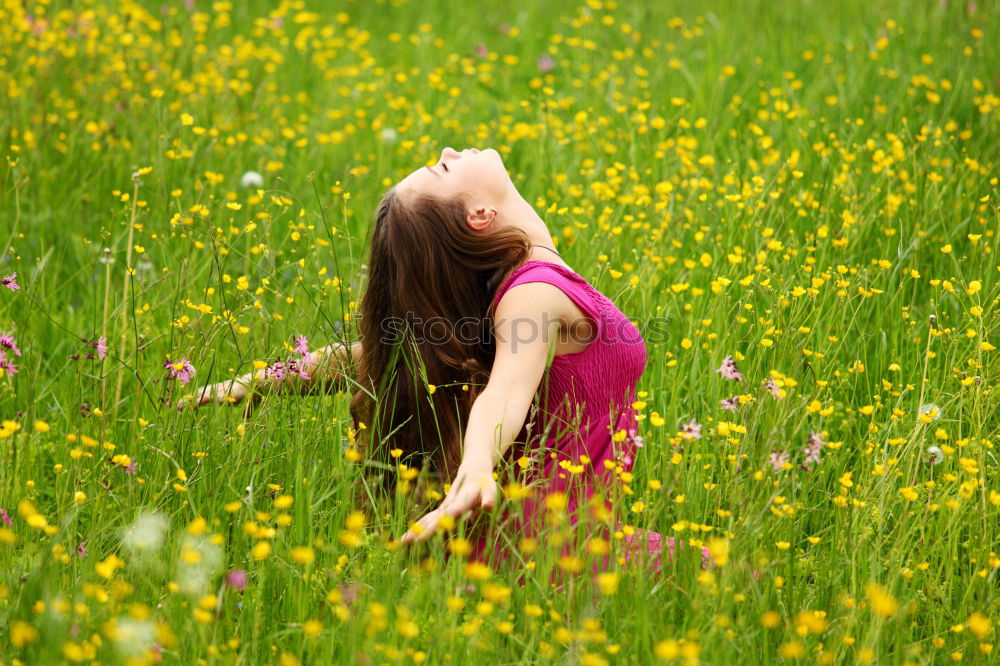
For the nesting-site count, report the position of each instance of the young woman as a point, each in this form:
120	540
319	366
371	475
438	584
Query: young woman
482	347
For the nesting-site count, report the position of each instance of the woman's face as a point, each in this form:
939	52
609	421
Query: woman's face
478	175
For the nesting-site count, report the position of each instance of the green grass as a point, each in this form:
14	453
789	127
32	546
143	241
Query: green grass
801	185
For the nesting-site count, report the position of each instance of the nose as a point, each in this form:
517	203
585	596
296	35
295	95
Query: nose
450	153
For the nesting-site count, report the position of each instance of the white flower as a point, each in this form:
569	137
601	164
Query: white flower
934	455
252	179
146	533
389	135
134	637
198	562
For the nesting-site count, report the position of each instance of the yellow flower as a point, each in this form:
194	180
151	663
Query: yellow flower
668	649
607	582
792	650
312	627
979	624
881	601
719	549
459	546
303	555
261	550
107	567
770	620
22	633
477	570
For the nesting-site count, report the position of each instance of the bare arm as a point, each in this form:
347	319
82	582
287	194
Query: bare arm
496	417
327	368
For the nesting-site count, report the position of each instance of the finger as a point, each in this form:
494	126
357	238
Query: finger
463	503
429	524
420	529
489	496
412	533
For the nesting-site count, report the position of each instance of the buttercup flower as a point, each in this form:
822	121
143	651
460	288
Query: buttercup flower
929	412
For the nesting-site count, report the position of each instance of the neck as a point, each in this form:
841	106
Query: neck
519	213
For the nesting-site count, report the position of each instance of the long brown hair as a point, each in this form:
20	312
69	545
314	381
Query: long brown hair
426	320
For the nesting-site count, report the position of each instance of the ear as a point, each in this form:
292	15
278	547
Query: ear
481	218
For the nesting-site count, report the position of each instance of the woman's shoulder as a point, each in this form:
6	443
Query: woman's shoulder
537	270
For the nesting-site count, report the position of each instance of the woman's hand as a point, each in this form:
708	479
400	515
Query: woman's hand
473	488
232	391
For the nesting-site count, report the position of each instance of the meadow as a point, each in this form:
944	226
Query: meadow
807	188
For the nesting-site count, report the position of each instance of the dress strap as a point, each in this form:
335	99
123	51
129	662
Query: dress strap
572	284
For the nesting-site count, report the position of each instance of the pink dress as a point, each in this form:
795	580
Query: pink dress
584	399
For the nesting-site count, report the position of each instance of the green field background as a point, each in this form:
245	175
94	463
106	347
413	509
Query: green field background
809	187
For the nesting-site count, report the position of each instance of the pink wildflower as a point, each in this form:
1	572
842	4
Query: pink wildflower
773	387
81	549
9	282
7	364
237	579
546	63
302	346
778	460
691	430
101	346
8	342
482	51
182	369
815	444
731	403
5	517
280	369
729	369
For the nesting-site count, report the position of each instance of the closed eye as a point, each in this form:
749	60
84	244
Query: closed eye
444	166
